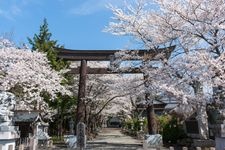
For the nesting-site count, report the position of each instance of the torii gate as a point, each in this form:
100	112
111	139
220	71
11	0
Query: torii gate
104	55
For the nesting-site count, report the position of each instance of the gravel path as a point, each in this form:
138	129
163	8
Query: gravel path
114	136
113	139
109	139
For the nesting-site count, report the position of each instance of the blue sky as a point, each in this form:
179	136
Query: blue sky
76	24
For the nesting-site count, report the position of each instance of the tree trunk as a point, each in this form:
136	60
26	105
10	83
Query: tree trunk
58	123
202	116
80	115
152	126
202	119
61	124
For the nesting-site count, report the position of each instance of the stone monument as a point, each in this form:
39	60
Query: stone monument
81	136
8	132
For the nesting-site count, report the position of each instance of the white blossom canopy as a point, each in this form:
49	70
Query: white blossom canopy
196	27
27	74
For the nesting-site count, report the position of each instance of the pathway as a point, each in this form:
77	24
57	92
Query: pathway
110	139
113	139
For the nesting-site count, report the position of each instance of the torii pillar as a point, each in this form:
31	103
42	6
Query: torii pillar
80	116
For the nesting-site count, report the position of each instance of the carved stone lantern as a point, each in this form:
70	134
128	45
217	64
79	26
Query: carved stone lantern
8	132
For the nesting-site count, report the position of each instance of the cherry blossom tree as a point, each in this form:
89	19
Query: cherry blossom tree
28	75
197	30
191	25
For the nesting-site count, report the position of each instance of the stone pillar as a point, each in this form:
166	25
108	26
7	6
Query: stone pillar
81	135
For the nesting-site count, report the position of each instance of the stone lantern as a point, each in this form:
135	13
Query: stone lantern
141	120
8	132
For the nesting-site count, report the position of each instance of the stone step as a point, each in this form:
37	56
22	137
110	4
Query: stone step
113	146
111	143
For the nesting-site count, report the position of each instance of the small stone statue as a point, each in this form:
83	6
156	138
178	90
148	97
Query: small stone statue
71	126
7	104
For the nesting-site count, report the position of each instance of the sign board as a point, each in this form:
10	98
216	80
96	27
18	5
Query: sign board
81	137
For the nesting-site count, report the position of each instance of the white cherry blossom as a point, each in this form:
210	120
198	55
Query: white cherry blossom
29	73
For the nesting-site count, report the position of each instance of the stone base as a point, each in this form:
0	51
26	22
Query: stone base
71	141
152	141
203	143
7	144
220	143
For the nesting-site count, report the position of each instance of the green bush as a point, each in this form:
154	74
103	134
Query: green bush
128	123
57	139
135	122
172	131
162	121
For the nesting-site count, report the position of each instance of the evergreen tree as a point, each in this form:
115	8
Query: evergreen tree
42	42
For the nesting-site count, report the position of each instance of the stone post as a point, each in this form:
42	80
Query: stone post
81	136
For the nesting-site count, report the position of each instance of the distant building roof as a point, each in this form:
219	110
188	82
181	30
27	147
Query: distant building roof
162	104
170	106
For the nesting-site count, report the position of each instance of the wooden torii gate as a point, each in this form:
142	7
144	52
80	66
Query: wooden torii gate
103	55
